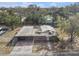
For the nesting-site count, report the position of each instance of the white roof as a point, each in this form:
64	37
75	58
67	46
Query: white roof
46	28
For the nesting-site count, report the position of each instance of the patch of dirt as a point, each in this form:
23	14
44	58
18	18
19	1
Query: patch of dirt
4	40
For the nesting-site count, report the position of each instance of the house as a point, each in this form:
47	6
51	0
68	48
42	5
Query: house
23	18
48	19
31	33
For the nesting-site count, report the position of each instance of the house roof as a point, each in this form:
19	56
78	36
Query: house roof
32	31
47	28
25	31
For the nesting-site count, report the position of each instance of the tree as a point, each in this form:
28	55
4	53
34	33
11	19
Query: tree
72	27
34	19
12	21
34	16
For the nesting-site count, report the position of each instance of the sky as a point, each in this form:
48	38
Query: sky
41	4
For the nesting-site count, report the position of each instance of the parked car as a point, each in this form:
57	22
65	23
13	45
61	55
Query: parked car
3	29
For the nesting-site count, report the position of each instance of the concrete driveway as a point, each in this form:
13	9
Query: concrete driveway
22	48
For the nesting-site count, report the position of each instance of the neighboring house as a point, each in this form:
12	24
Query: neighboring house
48	19
23	18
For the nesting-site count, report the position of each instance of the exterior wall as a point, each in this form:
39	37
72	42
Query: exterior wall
40	39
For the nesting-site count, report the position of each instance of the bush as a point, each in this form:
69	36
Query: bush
54	39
